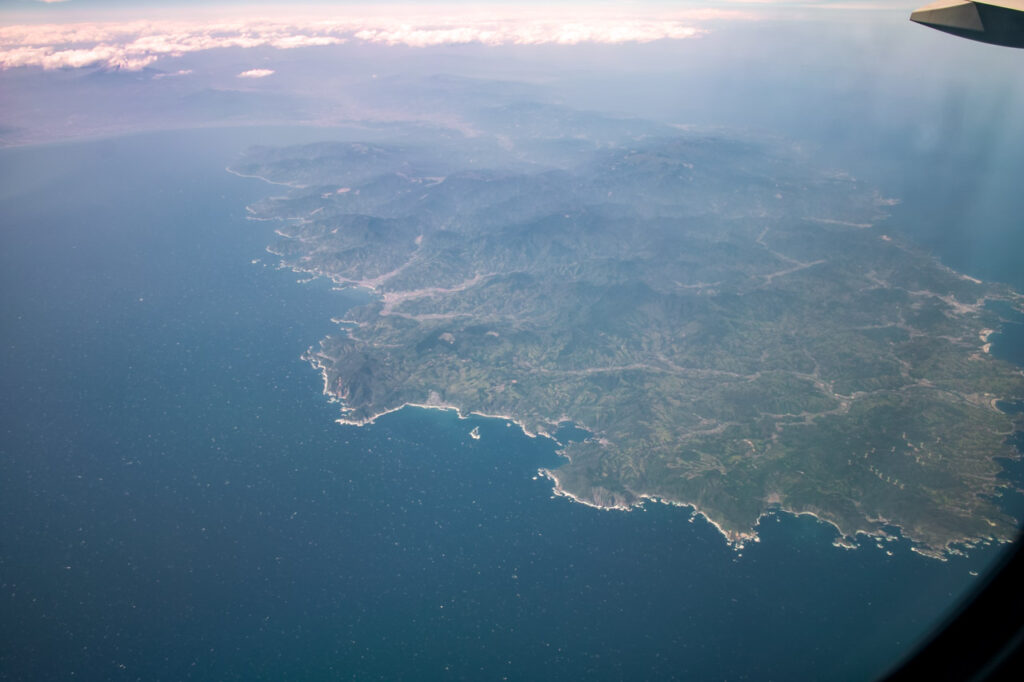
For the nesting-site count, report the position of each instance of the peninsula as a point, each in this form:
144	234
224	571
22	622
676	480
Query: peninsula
730	323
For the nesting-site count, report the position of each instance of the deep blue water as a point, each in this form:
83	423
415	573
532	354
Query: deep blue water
178	503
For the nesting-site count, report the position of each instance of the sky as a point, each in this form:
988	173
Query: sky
685	61
133	40
57	34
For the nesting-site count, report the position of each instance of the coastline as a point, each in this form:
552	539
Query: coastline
293	185
736	539
631	499
346	421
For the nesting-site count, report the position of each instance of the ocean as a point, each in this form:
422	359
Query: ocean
178	503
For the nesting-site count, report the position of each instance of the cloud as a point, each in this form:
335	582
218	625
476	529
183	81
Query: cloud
526	34
180	72
845	5
256	73
136	44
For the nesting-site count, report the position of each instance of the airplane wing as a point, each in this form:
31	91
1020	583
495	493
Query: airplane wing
999	22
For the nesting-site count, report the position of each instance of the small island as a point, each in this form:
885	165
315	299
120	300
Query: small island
733	326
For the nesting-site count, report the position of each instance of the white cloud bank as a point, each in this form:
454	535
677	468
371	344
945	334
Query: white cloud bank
256	73
136	44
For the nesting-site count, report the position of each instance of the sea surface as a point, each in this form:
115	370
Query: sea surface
178	503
